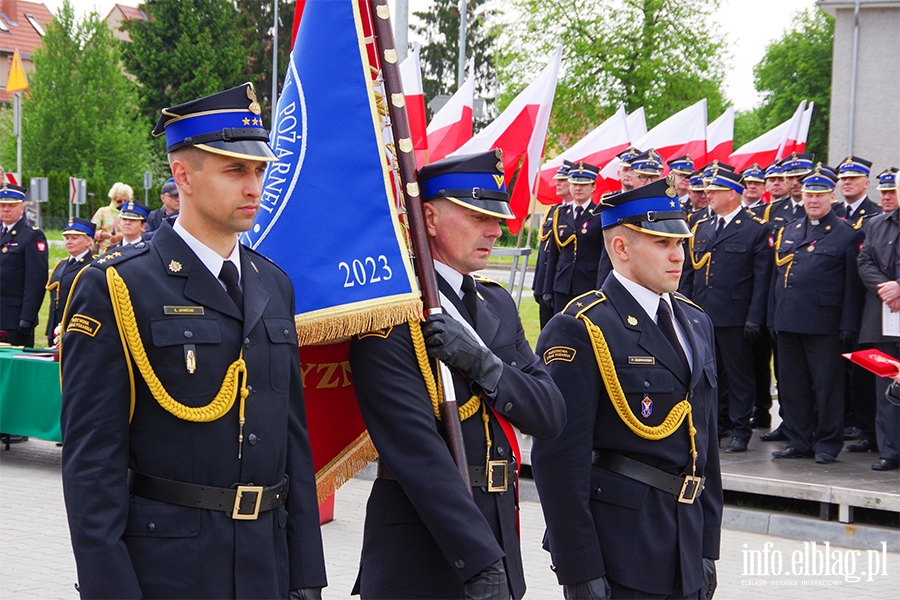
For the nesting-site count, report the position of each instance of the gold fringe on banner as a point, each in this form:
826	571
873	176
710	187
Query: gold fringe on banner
344	321
345	465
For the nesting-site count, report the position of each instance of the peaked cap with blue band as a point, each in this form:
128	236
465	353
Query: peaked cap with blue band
563	171
754	173
683	165
81	226
10	193
854	166
723	179
582	173
797	165
134	210
774	170
887	179
626	156
652	209
472	180
715	166
821	181
227	123
697	182
648	163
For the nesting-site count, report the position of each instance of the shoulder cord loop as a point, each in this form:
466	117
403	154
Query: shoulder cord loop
614	389
435	393
131	341
704	260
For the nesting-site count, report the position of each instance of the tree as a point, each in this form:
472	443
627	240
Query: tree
80	115
797	67
187	49
659	54
258	20
439	27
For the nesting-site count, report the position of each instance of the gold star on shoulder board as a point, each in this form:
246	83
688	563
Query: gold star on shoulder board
175	266
631	320
579	304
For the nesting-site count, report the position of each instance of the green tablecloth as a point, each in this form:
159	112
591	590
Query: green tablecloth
29	396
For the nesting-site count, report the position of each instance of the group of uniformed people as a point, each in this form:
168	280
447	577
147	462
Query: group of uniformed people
795	277
187	470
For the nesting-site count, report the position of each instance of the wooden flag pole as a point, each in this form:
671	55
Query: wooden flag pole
387	54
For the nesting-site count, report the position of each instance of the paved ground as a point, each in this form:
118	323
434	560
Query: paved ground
36	558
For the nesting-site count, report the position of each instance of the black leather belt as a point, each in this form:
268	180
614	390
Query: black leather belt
243	502
685	488
503	474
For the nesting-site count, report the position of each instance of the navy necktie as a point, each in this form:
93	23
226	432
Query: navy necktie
665	323
229	276
470	297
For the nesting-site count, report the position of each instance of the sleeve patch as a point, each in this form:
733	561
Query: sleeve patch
41	246
83	324
559	353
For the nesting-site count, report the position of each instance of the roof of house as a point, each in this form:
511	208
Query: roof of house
20	32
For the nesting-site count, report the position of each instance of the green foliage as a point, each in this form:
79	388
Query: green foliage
439	27
659	54
257	19
797	67
186	50
79	116
747	126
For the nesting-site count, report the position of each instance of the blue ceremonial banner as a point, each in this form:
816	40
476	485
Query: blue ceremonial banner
327	215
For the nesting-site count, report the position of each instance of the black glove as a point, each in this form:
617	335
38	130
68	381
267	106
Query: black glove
306	594
548	300
848	339
595	589
752	331
26	325
710	582
449	341
489	584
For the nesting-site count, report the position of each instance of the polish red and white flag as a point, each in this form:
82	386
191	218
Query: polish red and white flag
682	133
451	126
411	78
520	131
719	139
637	124
771	145
596	148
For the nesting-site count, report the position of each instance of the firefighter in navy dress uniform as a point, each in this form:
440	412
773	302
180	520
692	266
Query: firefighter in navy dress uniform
730	268
578	251
544	271
186	463
426	535
631	489
816	297
23	268
78	236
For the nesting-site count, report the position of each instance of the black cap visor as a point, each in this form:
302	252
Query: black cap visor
493	208
675	228
246	149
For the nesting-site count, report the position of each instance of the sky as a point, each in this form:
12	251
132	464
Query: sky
746	27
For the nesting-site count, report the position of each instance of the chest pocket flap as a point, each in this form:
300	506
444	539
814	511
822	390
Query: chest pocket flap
175	331
644	379
281	330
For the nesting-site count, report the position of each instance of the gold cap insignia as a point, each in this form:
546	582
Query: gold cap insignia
251	95
631	320
175	266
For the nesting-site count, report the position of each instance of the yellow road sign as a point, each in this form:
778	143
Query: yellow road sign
16	81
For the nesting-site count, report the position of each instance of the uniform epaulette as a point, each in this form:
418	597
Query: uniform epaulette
758	220
263	256
486	280
35	228
581	303
685	299
120	255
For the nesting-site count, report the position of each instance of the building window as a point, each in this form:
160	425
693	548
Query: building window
35	24
3	26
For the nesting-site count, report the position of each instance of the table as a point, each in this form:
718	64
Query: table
29	396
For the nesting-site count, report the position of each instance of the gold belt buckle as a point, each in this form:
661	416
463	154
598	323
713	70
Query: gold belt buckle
497	475
690	489
241	490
